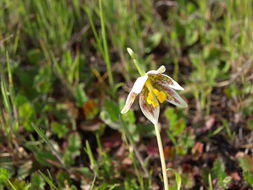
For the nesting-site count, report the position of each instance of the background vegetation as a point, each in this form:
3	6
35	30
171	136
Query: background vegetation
65	74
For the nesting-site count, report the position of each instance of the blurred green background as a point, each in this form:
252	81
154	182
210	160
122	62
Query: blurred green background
65	74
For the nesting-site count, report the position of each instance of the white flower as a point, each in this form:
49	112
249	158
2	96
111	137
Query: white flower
154	88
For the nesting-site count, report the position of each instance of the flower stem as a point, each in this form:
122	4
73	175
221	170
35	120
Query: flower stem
160	146
136	63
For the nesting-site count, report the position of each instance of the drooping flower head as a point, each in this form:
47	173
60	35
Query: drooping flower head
154	88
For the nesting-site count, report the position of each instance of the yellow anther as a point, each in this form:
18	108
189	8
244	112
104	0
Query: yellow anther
151	100
161	96
156	92
155	95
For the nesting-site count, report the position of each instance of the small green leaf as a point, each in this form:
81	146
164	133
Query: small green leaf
4	175
63	178
26	112
129	117
110	114
44	157
113	109
73	148
218	172
171	116
43	80
59	129
177	125
246	165
74	143
80	95
20	184
34	56
248	177
37	182
106	117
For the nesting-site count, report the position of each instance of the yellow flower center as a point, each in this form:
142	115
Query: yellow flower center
155	95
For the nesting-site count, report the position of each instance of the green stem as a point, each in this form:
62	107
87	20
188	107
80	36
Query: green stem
105	46
136	63
160	146
12	186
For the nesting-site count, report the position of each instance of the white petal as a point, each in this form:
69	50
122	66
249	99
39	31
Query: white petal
150	112
165	80
173	97
177	101
129	102
137	88
139	83
174	84
160	70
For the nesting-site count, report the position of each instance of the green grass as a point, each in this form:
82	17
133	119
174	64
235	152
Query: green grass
65	72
